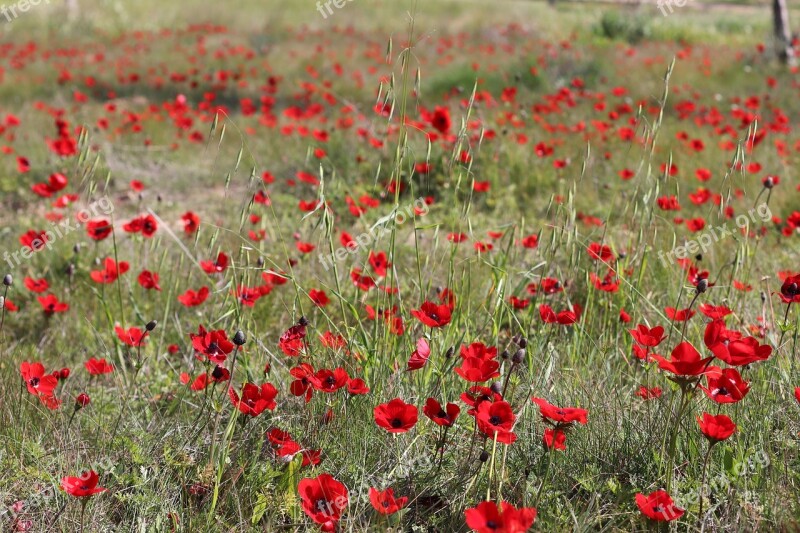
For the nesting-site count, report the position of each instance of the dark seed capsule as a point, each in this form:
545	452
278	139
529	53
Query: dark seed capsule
450	352
769	182
303	321
702	285
260	262
151	325
239	338
484	456
504	354
497	387
8	280
522	343
77	248
70	270
519	356
699	257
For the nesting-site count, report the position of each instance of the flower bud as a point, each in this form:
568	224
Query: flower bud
239	339
497	387
484	456
303	321
522	343
519	356
151	325
702	285
82	400
450	352
769	182
8	280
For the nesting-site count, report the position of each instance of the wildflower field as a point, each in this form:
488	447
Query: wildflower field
432	266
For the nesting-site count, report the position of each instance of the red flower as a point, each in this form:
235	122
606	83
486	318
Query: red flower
742	352
477	395
213	344
477	370
112	271
600	252
561	416
190	222
384	501
486	517
648	394
684	361
303	377
797	394
215	267
146	224
293	340
148	280
191	298
83	486
36	380
254	399
357	386
658	506
441	417
650	337
725	386
36	285
50	305
396	416
479	350
330	380
432	315
790	290
716	428
440	120
131	336
555	439
99	229
318	297
324	499
497	418
420	356
681	315
96	367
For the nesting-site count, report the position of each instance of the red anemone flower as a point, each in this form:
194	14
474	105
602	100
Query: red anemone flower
396	416
83	486
36	380
441	416
384	501
324	499
432	315
716	428
254	399
658	506
497	418
487	517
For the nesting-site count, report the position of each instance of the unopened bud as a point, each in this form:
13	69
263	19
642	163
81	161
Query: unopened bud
239	339
497	387
484	456
8	280
151	325
519	356
702	285
303	321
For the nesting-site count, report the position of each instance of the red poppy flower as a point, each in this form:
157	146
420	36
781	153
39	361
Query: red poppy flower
292	341
420	356
684	361
555	439
303	381
477	395
714	312
215	345
254	399
50	304
330	380
111	272
441	416
440	119
648	394
477	370
486	517
131	336
497	418
36	285
600	252
357	386
432	315
716	428
215	267
561	416
191	298
37	381
790	290
530	242
379	263
190	222
725	386
742	352
797	394
148	280
658	506
83	486
318	297
324	499
99	229
384	501
96	367
650	337
144	224
681	315
396	416
34	240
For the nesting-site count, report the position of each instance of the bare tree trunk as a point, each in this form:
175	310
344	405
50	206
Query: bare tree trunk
783	36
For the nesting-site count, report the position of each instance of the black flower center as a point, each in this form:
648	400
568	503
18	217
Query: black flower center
397	423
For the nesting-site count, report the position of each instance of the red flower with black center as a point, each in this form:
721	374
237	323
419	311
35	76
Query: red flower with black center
790	290
477	370
560	416
330	380
496	420
131	336
99	229
384	501
50	304
215	345
303	377
111	272
487	517
658	506
36	380
83	486
36	285
684	361
649	337
215	267
725	386
190	222
441	416
396	416
191	298
148	280
432	315
292	341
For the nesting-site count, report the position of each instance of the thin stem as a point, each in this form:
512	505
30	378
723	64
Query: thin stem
703	484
